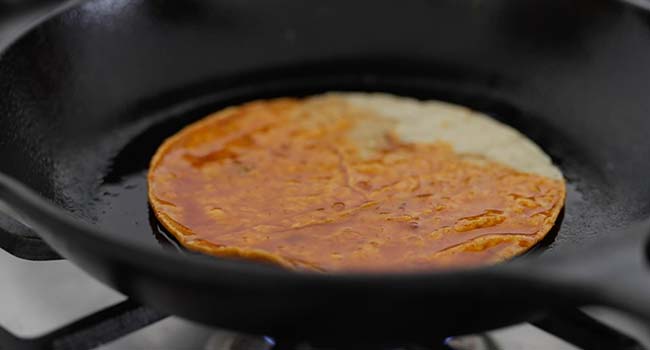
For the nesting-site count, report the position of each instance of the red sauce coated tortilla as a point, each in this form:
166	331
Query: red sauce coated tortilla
301	184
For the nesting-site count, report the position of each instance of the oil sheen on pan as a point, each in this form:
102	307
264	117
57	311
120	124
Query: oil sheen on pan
355	182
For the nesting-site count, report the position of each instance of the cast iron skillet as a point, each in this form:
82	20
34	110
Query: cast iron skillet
88	95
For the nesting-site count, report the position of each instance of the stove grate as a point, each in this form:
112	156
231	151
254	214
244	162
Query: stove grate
89	332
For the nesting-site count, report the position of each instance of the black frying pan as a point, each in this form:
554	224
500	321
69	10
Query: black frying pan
87	96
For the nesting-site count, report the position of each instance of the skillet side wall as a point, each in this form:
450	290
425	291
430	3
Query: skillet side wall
573	75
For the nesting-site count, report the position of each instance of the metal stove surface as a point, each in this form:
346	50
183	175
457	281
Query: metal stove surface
39	297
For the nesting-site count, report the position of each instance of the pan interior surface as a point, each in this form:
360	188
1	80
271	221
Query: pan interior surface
120	202
113	195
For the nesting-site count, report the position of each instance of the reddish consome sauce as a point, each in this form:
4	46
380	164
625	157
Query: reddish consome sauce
297	185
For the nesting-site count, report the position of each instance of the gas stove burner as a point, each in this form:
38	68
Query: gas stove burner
223	340
472	342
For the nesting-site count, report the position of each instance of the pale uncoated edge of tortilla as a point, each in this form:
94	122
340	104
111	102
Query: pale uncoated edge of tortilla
470	133
467	131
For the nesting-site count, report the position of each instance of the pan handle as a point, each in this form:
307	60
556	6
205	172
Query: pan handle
612	272
20	240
